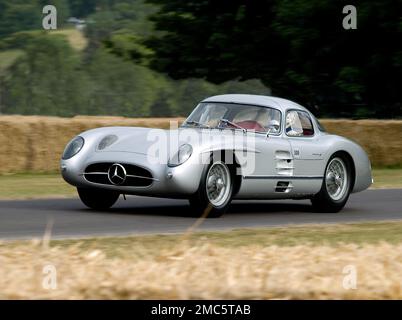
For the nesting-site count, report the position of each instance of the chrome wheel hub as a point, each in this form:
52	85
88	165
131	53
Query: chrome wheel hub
218	184
336	179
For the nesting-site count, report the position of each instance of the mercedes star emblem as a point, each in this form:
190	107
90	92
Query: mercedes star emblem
117	174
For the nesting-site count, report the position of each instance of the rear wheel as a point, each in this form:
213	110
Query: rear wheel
215	191
97	199
336	185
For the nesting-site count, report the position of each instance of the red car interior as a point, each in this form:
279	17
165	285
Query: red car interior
251	125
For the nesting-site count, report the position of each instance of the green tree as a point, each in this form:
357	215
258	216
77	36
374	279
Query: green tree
19	15
120	87
297	47
82	8
161	106
189	92
121	26
46	80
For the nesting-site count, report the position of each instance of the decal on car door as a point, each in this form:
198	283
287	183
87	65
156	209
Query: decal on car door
296	153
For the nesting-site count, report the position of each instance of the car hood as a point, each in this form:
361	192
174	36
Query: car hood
129	139
147	140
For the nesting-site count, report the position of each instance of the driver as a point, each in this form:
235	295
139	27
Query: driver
293	124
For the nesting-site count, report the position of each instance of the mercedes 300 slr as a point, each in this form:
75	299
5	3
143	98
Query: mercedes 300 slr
230	147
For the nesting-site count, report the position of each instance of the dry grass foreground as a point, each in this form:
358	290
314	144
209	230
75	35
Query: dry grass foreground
35	143
203	272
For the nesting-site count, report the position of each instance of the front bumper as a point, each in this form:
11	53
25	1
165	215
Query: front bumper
176	182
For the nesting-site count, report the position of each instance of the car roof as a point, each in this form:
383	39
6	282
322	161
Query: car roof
259	100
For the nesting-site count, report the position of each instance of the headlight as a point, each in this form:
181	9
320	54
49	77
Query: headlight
73	147
107	141
181	156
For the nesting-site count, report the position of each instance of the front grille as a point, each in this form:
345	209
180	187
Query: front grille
136	176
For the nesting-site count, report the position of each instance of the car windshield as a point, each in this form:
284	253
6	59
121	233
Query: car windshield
234	116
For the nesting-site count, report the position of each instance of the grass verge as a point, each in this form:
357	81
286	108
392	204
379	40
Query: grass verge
387	178
311	235
48	185
32	186
286	263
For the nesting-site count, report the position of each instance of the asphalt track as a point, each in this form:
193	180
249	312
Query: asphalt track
141	215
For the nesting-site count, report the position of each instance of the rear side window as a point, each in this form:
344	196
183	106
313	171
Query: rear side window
299	124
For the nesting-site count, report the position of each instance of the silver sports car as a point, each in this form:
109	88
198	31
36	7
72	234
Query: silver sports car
230	147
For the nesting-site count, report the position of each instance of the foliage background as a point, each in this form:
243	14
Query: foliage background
160	57
41	73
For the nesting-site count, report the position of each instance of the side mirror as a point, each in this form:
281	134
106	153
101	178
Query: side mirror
273	126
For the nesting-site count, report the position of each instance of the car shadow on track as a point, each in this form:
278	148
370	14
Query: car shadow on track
234	209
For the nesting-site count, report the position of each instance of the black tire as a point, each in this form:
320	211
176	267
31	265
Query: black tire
200	202
97	199
323	201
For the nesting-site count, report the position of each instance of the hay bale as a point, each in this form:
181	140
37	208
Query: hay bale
382	139
35	143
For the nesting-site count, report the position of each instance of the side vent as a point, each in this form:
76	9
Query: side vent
284	163
283	186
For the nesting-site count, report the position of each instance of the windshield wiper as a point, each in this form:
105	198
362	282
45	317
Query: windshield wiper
191	122
232	124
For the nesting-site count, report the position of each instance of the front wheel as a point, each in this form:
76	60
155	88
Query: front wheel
215	191
97	199
336	186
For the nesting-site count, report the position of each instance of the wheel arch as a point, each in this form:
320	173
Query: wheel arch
346	155
357	156
228	156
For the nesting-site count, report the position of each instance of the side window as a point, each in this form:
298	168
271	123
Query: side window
258	119
298	124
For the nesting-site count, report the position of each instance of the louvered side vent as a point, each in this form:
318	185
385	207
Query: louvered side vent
284	163
283	186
